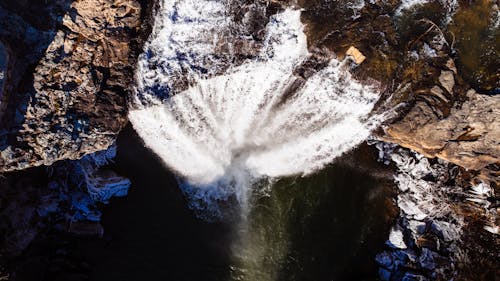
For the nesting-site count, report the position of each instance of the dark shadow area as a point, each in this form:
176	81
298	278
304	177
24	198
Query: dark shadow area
336	235
26	29
151	234
327	226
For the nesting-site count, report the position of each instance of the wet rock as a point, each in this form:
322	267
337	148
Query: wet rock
384	274
413	277
444	230
91	183
417	227
241	36
106	184
427	259
65	198
450	241
386	260
424	201
412	54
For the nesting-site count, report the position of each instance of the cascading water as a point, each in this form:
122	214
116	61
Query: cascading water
232	123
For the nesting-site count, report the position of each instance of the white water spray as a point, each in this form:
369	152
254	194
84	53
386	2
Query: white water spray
252	121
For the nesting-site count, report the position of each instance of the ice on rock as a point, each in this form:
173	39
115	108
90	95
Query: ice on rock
425	212
396	238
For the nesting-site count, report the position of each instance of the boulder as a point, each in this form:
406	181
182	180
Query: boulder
355	54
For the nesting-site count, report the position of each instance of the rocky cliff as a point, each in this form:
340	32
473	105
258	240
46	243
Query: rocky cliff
66	69
69	69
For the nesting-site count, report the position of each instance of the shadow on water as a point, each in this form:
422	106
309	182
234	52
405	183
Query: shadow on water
150	234
328	226
338	229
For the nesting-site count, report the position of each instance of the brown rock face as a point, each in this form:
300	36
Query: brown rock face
469	136
444	117
68	78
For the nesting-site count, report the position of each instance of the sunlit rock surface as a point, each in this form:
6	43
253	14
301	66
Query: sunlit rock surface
72	66
469	136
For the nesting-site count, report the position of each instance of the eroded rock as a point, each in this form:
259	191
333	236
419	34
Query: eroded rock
65	198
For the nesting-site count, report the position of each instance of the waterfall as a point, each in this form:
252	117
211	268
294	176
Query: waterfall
222	124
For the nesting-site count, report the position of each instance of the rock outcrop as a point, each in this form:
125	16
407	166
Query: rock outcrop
43	210
469	136
66	68
69	74
442	115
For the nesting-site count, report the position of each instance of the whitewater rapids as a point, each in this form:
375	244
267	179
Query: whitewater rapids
253	120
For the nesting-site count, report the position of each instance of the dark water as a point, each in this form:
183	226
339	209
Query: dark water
3	57
328	226
3	65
